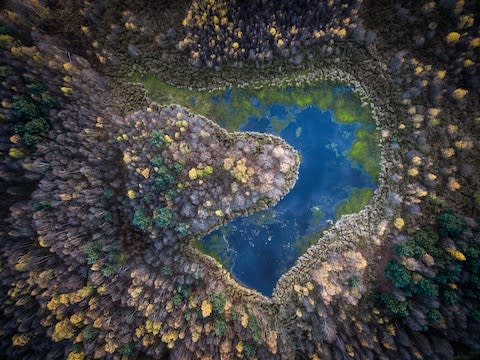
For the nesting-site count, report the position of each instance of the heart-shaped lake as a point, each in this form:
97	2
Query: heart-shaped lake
339	146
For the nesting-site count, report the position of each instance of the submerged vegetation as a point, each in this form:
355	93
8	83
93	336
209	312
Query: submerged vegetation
366	151
348	108
356	202
232	108
217	248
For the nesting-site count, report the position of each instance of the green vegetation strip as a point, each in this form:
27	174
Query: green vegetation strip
356	202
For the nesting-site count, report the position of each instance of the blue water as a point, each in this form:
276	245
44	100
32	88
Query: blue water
259	248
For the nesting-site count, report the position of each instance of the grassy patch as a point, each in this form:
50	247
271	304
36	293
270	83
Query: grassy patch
348	108
366	152
216	247
356	202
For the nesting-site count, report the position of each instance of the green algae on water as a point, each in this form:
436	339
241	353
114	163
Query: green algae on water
366	151
348	108
356	202
308	240
217	248
240	106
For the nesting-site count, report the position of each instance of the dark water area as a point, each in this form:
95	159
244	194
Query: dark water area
259	248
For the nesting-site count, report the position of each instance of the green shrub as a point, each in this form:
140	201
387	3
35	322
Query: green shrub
33	131
126	350
167	270
475	313
450	273
163	179
353	282
32	113
49	102
450	224
93	251
472	254
450	297
171	193
156	161
220	327
114	260
394	306
77	348
475	281
426	288
398	274
164	217
36	88
409	249
182	229
115	256
40	205
108	217
3	71
218	302
109	269
141	220
254	329
434	316
157	138
428	239
108	194
23	107
89	332
5	29
249	349
177	168
177	299
185	291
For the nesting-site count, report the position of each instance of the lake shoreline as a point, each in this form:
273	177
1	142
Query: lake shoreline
334	237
